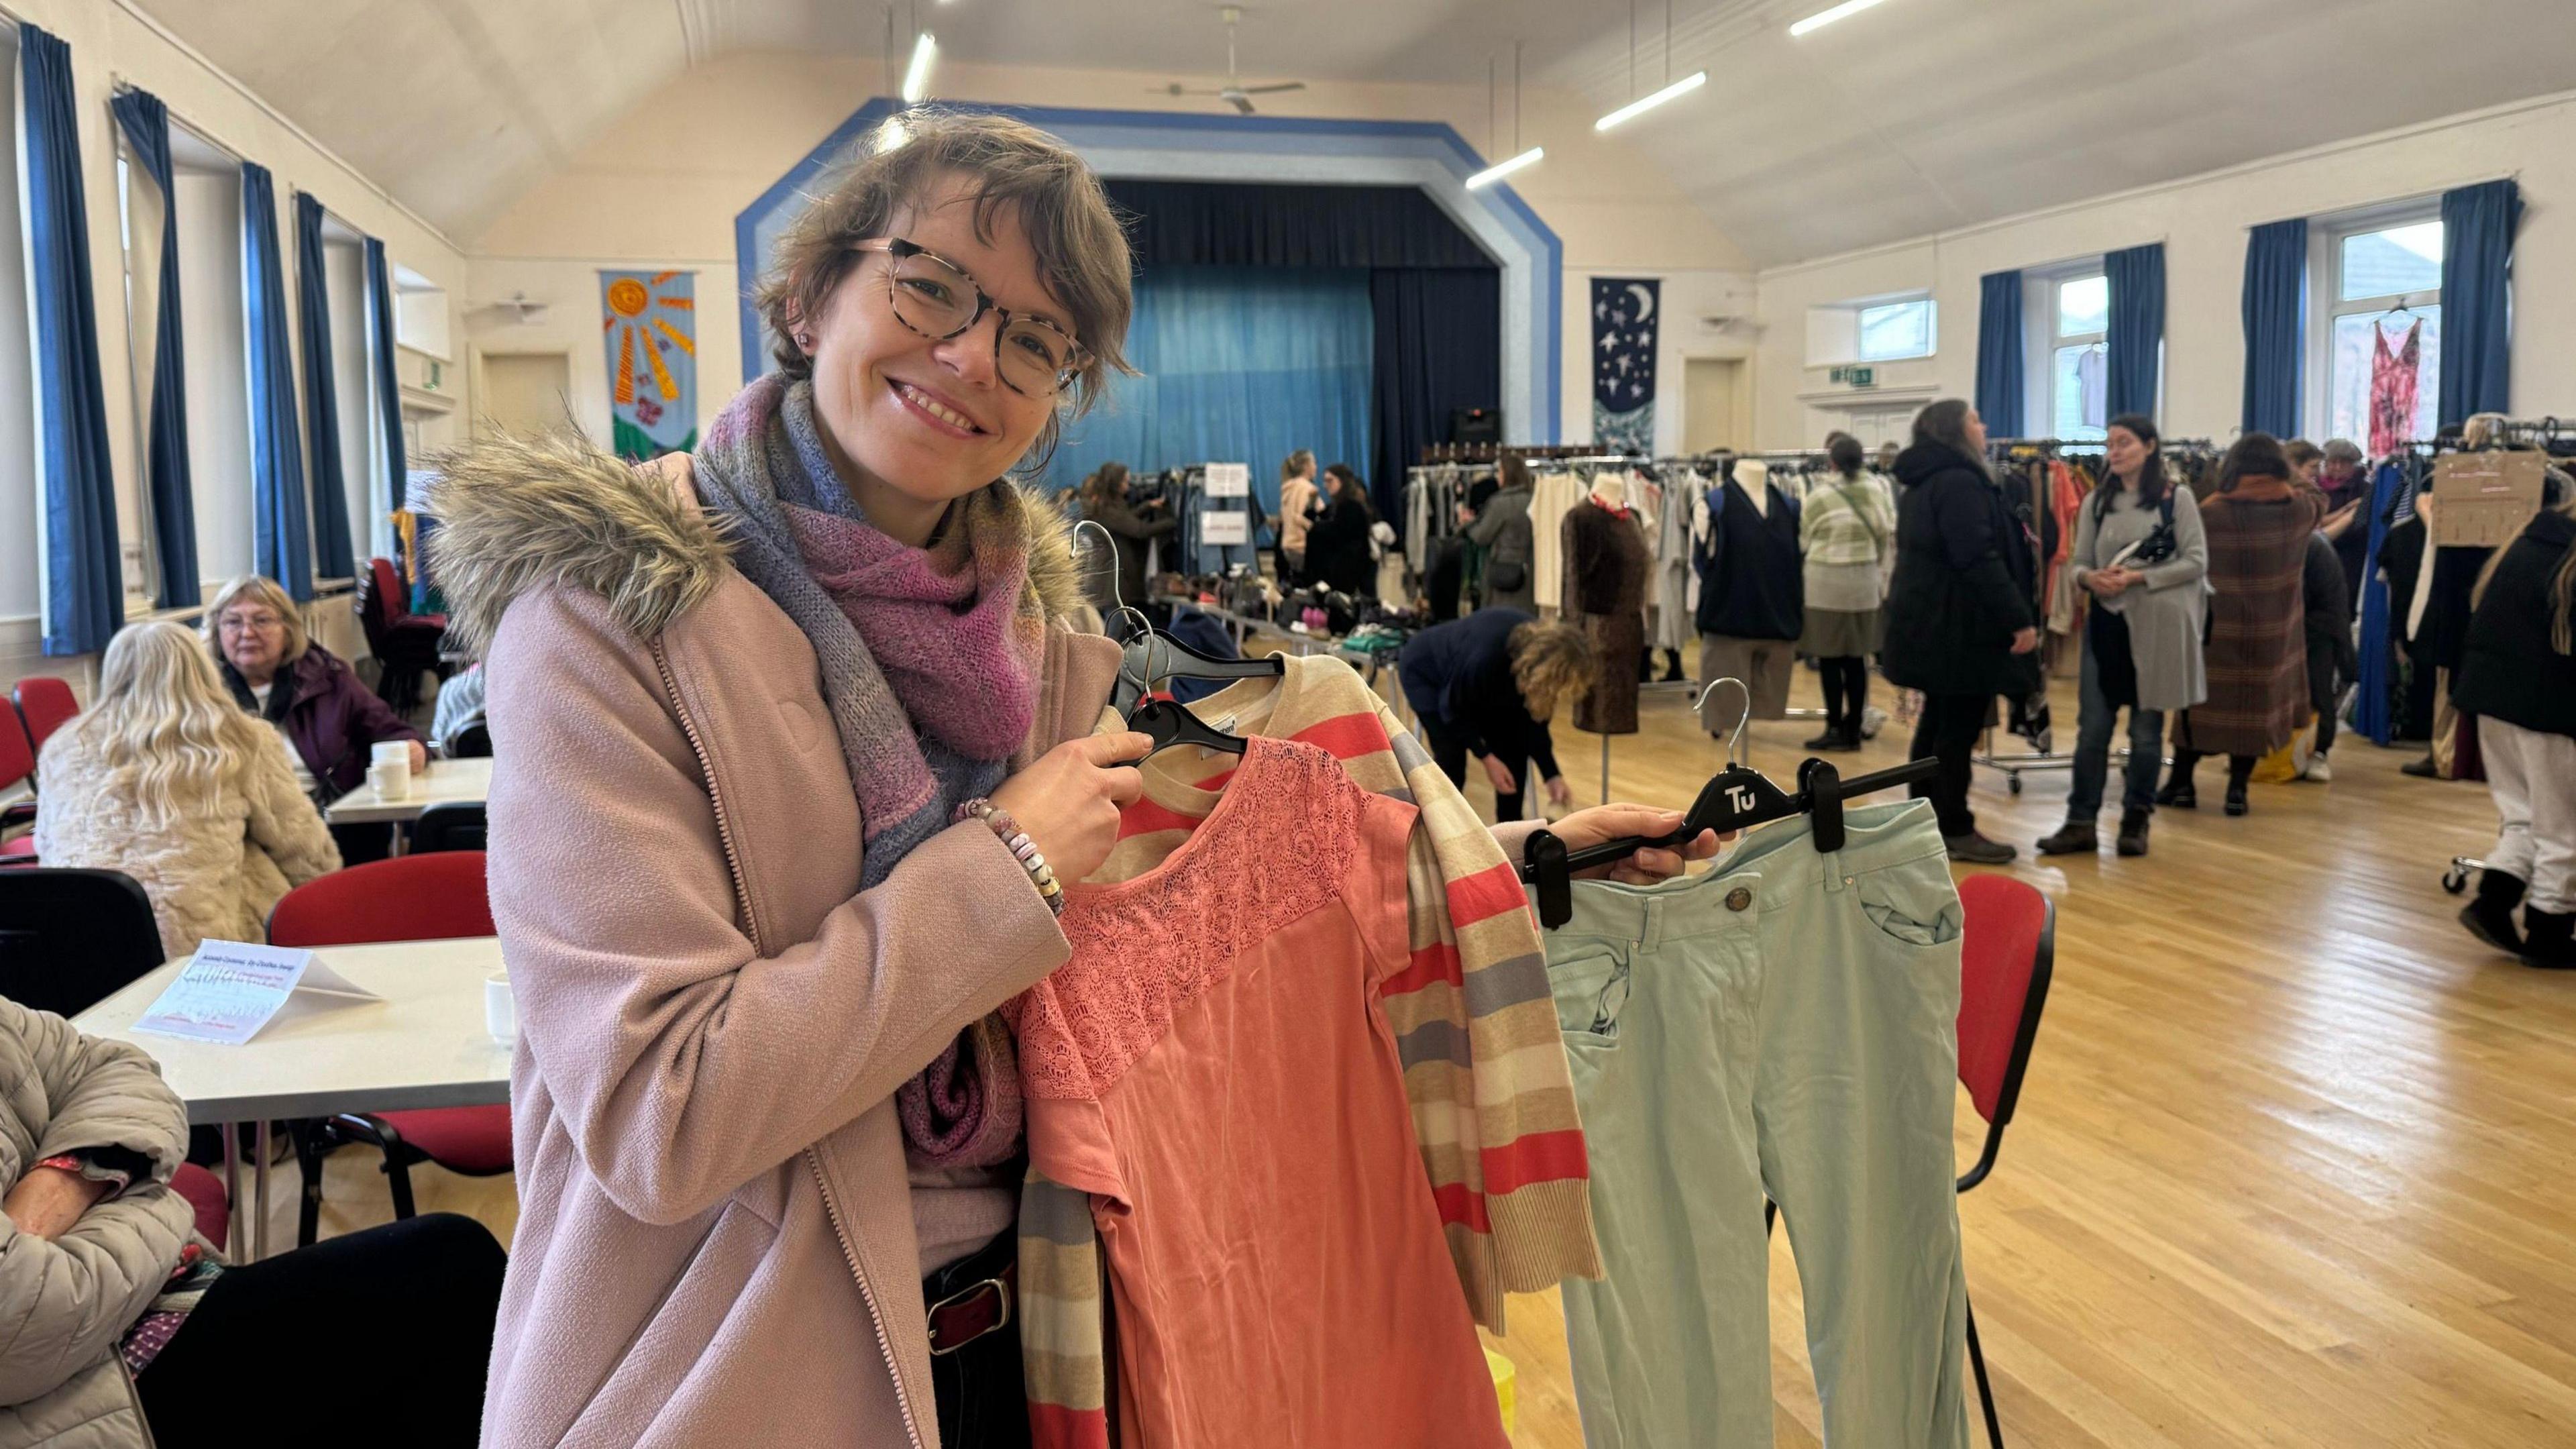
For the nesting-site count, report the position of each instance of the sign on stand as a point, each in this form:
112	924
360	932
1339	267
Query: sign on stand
1226	528
1229	480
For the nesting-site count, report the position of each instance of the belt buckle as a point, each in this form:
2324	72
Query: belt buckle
1002	1295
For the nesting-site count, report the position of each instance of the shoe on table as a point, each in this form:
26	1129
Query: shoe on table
1975	849
2133	832
2075	837
2423	769
2549	941
2318	771
2490	916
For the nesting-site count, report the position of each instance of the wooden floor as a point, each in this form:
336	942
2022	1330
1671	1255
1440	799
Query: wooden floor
2294	1163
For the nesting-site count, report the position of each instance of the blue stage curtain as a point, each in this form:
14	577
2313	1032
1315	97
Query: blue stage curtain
1239	364
84	571
281	545
2135	340
2274	303
1999	354
1200	223
331	552
146	123
2478	224
380	323
1439	349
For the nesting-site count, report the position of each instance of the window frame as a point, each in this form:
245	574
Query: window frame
1931	311
2043	342
2326	238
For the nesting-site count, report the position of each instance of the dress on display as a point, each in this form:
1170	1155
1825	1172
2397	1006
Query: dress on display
1606	572
2392	389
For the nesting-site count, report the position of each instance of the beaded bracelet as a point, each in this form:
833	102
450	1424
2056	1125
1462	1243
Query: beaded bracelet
1022	849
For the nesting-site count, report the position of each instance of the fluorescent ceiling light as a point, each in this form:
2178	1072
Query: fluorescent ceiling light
1823	18
1633	109
1501	169
916	76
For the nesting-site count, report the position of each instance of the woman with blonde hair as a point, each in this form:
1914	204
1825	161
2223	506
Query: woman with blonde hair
1487	685
165	779
1299	501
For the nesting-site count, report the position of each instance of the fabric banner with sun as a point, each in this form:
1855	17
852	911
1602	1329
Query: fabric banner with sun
1623	364
650	319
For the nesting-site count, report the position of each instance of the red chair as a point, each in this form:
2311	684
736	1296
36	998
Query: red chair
46	704
2008	950
409	898
17	763
205	1193
405	643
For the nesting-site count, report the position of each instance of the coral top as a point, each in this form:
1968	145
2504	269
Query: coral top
1213	1066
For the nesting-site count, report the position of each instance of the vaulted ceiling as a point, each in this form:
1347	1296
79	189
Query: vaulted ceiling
1915	116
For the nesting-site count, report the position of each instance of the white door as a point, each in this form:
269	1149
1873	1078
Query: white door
1710	419
523	394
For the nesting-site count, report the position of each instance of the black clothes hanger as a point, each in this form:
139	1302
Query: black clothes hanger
1168	724
1736	798
1152	657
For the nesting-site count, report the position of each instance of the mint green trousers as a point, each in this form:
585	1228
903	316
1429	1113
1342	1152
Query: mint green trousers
1783	1028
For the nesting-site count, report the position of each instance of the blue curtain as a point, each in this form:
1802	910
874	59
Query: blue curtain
2135	339
2276	274
146	123
1202	223
380	320
331	552
2478	223
1241	364
1439	349
84	570
1999	354
281	546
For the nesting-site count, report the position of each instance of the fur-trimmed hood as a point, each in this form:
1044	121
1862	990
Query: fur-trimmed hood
516	514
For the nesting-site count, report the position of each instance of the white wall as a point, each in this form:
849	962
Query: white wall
211	319
2202	221
113	42
662	189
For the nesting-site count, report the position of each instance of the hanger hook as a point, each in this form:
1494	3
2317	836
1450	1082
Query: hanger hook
1119	608
1735	745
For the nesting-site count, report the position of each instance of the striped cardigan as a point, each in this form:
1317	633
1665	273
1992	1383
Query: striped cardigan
1474	1024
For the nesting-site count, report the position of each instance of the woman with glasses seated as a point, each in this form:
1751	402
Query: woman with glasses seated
793	765
332	722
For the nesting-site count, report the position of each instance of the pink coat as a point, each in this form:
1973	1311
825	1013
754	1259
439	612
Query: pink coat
715	1242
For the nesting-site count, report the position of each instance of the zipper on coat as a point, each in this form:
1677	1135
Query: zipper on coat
751	928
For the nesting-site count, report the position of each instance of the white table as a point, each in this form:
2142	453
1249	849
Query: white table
445	782
424	1045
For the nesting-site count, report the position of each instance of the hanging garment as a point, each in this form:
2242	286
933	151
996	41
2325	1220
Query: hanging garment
1606	570
1554	495
2257	656
1779	1028
1215	1067
2375	702
2393	379
1674	628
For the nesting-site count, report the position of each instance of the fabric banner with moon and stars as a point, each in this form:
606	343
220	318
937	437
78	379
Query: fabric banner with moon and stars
650	319
1623	364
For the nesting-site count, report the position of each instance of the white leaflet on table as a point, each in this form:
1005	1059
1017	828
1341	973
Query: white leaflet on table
230	989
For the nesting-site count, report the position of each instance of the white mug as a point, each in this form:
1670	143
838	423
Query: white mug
500	1008
391	779
387	752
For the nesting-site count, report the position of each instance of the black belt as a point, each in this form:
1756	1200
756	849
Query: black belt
972	1297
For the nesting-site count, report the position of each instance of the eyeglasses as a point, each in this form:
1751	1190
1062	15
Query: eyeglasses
249	623
936	298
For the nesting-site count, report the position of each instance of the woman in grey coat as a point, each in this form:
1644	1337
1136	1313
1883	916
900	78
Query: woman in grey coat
1502	530
2139	549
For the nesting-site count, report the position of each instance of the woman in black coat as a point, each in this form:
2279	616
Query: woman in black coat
1337	546
2517	675
1962	625
1104	501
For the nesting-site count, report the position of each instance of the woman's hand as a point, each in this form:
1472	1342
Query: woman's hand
48	1200
2025	640
1559	793
2110	582
1500	775
1068	800
1651	866
419	757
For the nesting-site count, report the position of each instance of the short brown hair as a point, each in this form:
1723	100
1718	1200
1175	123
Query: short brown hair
2300	452
1082	251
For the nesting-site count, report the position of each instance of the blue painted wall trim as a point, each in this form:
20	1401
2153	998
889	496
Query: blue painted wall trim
1538	269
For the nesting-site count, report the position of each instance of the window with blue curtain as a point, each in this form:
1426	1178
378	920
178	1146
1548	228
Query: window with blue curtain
2275	312
2135	335
380	328
281	544
1999	354
84	594
331	551
146	124
2478	224
1239	364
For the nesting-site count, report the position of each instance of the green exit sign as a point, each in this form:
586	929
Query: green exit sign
1855	376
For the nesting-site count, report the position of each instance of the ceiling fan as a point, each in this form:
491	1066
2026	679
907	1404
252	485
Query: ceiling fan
1234	91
